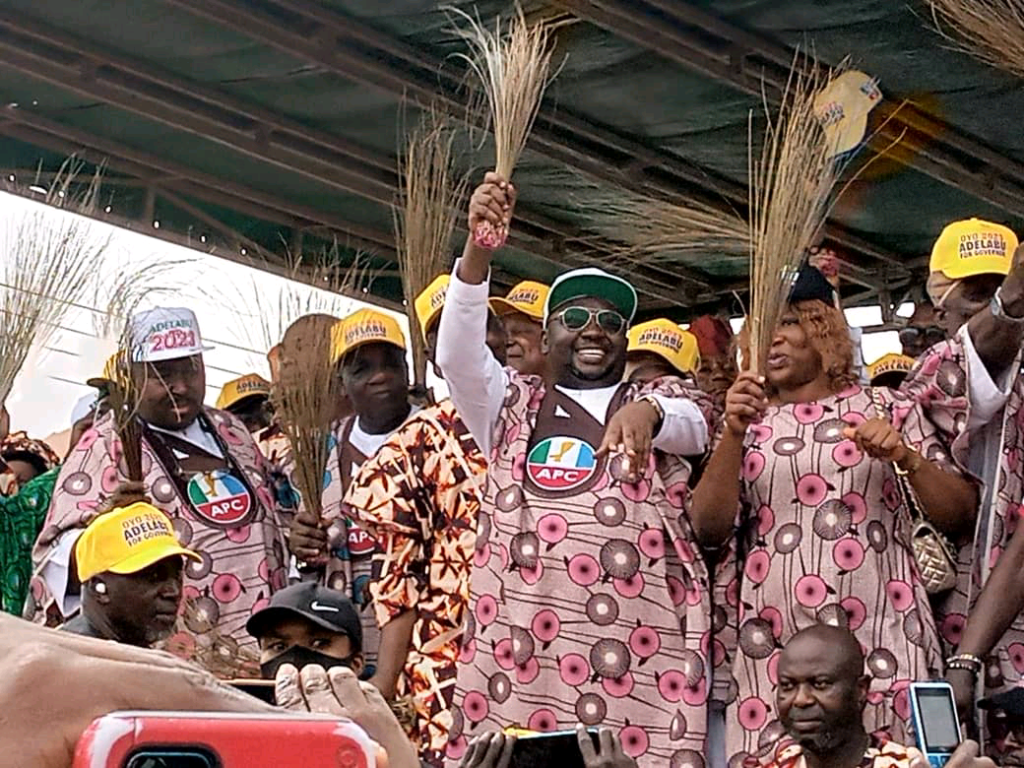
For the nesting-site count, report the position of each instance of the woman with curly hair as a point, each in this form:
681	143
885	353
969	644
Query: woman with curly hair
809	458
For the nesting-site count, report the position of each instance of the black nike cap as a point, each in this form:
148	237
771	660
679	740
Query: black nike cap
327	608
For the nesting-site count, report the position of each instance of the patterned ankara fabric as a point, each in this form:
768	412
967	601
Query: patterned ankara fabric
939	383
242	564
418	497
350	563
21	519
823	533
881	753
20	442
591	605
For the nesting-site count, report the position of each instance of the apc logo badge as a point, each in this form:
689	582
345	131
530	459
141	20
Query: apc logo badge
219	498
561	463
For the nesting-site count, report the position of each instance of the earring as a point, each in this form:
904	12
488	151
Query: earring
101	588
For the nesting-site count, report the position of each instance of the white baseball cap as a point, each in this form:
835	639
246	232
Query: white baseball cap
165	333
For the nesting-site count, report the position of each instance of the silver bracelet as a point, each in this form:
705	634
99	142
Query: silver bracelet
998	310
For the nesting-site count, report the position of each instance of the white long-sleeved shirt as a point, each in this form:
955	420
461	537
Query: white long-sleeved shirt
986	395
477	382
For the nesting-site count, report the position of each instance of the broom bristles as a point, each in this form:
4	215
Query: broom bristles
514	68
790	186
48	265
431	197
990	30
656	231
306	400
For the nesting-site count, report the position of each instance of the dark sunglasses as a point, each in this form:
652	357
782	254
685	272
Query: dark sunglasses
578	318
932	334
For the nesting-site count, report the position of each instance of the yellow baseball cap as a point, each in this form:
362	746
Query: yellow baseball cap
127	540
843	107
430	302
667	340
890	363
250	385
109	373
973	247
365	326
527	297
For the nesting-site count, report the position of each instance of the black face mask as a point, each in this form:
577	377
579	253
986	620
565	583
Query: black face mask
299	656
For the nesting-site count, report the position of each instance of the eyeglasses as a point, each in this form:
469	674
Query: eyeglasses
930	334
577	318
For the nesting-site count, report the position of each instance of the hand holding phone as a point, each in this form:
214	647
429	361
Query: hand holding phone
936	724
490	750
607	753
965	756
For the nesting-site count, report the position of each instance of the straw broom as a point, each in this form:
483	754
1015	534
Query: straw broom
47	266
306	400
790	186
655	231
989	30
132	285
514	70
431	196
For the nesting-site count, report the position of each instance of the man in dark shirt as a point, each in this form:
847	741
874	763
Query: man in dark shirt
130	566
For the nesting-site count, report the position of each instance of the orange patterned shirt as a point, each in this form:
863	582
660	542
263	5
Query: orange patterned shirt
881	753
419	498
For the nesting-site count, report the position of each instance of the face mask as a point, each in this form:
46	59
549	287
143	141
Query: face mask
298	656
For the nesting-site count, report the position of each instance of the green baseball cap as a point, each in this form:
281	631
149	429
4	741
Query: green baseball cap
592	282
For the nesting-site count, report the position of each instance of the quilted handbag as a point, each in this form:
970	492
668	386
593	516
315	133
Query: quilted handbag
932	552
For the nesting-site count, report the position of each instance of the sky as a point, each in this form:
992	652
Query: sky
238	308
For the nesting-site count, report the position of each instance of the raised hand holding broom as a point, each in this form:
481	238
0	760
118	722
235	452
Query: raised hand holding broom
514	71
491	205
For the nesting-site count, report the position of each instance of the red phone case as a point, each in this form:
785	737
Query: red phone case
235	740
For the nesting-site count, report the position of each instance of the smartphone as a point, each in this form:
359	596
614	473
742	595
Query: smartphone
224	740
936	724
560	749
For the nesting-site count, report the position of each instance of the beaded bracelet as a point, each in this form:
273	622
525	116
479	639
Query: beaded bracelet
967	661
961	665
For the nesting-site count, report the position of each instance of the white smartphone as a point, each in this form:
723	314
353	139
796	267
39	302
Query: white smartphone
935	722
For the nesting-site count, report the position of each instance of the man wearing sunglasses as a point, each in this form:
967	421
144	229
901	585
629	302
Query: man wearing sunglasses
1006	723
588	597
922	331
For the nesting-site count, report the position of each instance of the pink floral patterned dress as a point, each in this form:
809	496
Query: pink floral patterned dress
822	540
590	605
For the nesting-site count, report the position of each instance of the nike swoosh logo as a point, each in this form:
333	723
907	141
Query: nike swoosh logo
318	606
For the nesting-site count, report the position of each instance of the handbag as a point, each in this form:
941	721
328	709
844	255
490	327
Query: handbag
932	552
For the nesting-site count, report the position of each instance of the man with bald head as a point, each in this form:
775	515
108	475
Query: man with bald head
821	693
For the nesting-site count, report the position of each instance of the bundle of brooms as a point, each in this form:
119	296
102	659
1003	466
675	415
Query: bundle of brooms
431	197
133	285
990	30
514	69
307	394
791	183
48	266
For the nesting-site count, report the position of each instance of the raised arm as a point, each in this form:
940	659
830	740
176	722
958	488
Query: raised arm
716	498
1000	602
996	338
476	381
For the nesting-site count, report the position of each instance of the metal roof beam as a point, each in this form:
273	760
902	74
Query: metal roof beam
160	96
664	29
317	36
58	137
